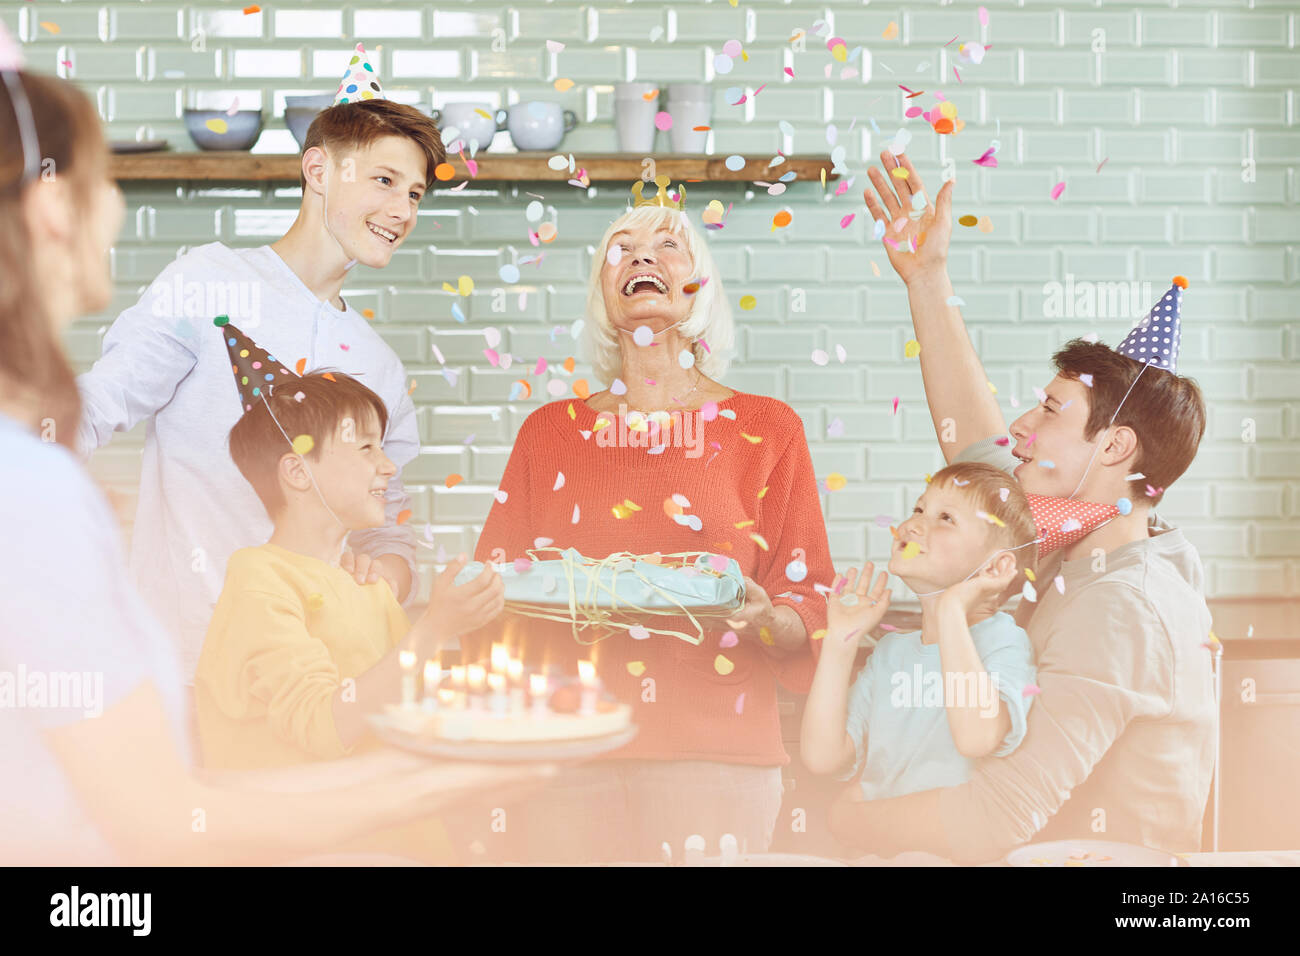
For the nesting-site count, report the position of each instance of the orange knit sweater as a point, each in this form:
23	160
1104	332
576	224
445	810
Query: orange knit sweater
755	476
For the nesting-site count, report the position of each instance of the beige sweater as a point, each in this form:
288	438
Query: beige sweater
1120	743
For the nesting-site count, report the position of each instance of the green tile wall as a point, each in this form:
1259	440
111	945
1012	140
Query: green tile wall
1182	97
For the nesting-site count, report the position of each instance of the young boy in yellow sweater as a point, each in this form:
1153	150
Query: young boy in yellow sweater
298	653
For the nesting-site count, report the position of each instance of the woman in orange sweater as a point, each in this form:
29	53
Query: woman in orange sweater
705	468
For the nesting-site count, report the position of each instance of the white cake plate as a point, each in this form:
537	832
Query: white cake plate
511	752
1089	853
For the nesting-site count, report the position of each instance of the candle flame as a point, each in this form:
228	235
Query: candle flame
432	673
406	659
458	675
586	673
500	658
497	682
476	676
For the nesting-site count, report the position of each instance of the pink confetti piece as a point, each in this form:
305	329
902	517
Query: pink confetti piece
740	704
987	159
1004	441
1057	190
984	16
234	106
1102	163
895	404
789	72
1031	690
760	89
888	627
729	639
663	121
844	223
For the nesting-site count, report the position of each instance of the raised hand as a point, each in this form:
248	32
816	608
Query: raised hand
915	247
856	610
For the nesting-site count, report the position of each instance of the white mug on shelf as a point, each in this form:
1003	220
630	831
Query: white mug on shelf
634	116
690	105
539	125
466	121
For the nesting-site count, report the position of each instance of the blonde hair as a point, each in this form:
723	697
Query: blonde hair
982	485
708	322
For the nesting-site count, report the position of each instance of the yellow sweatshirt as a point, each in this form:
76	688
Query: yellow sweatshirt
287	630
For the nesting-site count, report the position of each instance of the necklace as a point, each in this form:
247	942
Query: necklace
699	377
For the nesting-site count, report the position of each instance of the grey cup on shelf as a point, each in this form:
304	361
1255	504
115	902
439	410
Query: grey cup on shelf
243	127
539	125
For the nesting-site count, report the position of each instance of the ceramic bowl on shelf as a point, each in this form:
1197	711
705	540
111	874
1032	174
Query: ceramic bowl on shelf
299	111
220	130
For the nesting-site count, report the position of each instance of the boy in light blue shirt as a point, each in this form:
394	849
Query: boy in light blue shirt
929	702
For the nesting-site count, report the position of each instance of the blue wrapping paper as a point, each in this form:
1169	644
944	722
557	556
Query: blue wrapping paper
619	591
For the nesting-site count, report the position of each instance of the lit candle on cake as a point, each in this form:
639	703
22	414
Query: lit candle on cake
446	698
516	673
477	680
500	658
498	701
406	660
538	690
432	675
587	678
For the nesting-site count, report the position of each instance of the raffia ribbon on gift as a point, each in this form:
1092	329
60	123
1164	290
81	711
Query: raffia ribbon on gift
585	588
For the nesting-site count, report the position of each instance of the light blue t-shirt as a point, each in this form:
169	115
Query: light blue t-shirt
897	706
75	639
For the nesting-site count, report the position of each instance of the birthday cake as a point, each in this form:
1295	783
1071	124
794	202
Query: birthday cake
500	704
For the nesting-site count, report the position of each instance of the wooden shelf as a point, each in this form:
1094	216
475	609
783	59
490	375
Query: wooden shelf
492	168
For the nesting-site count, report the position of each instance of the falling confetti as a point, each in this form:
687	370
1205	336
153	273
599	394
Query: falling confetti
302	444
1057	190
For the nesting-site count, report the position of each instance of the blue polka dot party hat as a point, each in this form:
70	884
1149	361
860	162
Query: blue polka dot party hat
1155	340
256	370
360	81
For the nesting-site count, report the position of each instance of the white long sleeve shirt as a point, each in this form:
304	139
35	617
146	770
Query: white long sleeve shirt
165	362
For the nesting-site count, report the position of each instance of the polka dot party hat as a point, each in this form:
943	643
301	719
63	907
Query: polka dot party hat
1155	339
359	82
255	369
1063	521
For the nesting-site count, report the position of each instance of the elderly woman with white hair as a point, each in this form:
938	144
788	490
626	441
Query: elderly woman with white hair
668	460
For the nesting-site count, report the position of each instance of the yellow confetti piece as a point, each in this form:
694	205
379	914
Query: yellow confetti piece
1214	639
315	602
991	519
911	549
483	113
765	636
601	423
464	285
747	302
927	477
51	27
818	634
911	348
217	126
635	668
631	505
1030	574
835	481
993	388
898	172
369	314
620	512
891	31
722	665
823	177
752	439
759	540
563	84
572	413
303	444
762	492
968	220
744	524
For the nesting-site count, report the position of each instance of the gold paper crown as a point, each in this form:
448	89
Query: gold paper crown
663	199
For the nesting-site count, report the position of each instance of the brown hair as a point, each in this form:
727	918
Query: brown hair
351	126
33	366
257	445
983	485
1165	411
